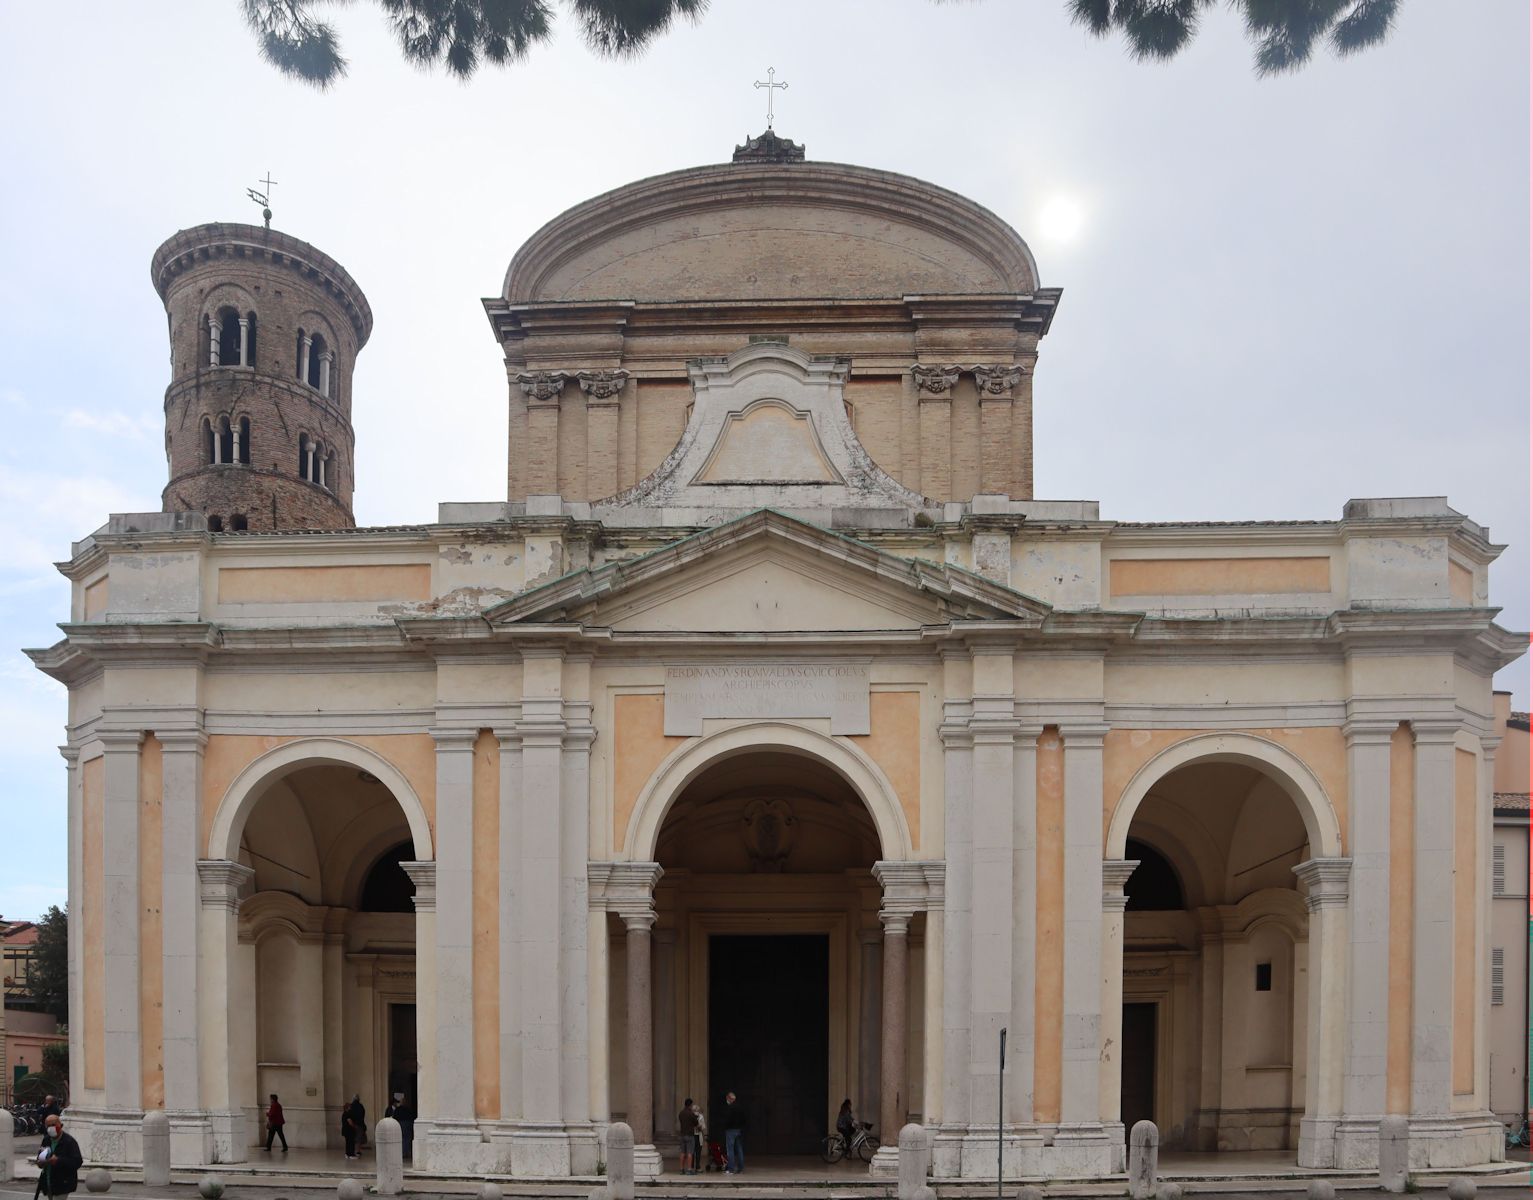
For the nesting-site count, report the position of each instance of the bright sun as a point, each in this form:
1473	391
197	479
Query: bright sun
1061	219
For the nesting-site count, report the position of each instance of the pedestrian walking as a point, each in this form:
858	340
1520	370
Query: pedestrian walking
59	1160
274	1123
735	1124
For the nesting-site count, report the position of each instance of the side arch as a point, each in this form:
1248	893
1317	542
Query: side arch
687	762
1282	766
235	807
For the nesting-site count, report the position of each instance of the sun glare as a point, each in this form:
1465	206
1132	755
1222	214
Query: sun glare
1060	219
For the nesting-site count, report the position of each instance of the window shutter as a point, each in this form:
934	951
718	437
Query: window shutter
1498	869
1498	976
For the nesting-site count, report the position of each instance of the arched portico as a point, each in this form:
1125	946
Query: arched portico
763	843
1227	824
307	963
689	761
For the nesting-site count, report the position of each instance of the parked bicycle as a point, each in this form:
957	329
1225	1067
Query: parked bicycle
1517	1138
863	1144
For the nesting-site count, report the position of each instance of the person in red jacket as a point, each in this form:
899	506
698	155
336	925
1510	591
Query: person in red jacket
274	1123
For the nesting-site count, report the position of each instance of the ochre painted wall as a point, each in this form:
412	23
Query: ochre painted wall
318	585
151	944
1049	982
639	746
487	925
1218	576
1402	886
893	741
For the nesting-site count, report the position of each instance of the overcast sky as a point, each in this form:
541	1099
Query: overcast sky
1278	294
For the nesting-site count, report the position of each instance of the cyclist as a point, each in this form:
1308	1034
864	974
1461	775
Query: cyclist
846	1121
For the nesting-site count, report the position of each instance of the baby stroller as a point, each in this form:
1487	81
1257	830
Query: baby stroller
716	1160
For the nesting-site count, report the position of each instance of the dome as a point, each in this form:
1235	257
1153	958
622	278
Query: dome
771	231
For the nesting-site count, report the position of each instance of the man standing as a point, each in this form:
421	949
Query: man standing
274	1123
734	1134
351	1125
687	1125
59	1158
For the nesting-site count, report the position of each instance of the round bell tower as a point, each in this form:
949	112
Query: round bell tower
264	333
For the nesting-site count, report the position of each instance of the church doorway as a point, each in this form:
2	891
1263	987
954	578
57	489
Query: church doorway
1215	961
769	1035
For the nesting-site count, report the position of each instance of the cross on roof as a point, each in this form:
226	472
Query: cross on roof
770	85
263	198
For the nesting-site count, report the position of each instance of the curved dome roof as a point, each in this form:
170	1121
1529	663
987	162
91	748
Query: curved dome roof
752	231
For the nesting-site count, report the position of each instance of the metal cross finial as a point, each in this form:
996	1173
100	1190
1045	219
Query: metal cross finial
263	198
769	85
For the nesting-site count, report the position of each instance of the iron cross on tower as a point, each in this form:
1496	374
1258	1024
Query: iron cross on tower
263	198
769	85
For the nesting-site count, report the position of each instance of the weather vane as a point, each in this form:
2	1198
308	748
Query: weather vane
770	85
264	198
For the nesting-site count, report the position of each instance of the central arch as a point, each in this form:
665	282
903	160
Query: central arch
689	761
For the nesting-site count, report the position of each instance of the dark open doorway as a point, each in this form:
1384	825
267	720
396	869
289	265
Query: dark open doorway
402	1064
769	1037
1138	1063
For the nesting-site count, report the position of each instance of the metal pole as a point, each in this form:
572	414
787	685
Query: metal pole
1000	1109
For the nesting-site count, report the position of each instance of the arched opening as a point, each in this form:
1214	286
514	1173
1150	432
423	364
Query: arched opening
766	956
305	456
318	354
209	441
327	478
250	339
242	442
1215	959
215	524
225	441
239	522
229	353
326	939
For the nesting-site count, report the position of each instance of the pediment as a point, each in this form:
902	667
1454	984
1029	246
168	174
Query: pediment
770	574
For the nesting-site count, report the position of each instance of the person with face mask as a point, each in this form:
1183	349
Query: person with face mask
59	1160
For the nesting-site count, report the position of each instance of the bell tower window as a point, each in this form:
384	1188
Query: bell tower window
242	442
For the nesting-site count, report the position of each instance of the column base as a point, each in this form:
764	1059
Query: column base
1084	1148
450	1146
947	1151
191	1138
539	1150
1317	1143
1021	1152
1456	1140
646	1162
231	1136
116	1137
886	1162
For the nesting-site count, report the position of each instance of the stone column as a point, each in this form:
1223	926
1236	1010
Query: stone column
510	907
543	389
575	912
934	388
869	1017
120	896
244	341
325	359
995	386
904	894
75	945
1081	1143
667	1103
1020	1052
1364	1047
1432	958
219	884
1115	874
1211	1030
304	345
958	840
191	1135
631	894
1022	422
213	347
423	876
602	391
1326	882
452	976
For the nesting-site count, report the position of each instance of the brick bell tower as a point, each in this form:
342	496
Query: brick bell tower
264	332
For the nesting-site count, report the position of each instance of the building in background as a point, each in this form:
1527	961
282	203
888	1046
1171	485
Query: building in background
1511	921
24	1030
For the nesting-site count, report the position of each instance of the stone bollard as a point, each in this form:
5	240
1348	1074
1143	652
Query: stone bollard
1169	1191
1461	1187
915	1160
1143	1159
619	1161
7	1145
210	1187
389	1147
349	1189
1321	1189
489	1191
156	1148
98	1180
1394	1153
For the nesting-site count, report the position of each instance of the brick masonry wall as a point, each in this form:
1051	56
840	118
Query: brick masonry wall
266	499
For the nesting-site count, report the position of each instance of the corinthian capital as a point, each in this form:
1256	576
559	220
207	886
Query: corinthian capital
996	380
542	385
602	385
938	381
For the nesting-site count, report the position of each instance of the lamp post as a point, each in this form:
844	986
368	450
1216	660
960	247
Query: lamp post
1000	1108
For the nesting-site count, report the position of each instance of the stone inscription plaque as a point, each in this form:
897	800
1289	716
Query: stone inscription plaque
764	691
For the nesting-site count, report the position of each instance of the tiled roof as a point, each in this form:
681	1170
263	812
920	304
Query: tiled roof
1517	720
1512	802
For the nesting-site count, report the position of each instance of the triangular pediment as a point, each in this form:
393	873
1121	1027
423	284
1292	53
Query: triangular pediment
771	574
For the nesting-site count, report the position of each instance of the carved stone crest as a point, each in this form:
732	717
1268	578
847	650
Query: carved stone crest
996	380
542	385
936	380
770	827
602	385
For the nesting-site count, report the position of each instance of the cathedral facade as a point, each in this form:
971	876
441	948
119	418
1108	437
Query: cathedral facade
770	736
